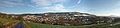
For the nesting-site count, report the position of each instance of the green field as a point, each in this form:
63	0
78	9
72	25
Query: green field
37	25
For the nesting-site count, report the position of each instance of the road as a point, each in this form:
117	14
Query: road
19	25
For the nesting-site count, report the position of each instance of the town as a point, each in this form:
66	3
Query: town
67	18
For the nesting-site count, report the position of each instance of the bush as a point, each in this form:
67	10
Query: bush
1	25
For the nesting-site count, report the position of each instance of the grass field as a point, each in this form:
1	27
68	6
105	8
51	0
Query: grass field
37	25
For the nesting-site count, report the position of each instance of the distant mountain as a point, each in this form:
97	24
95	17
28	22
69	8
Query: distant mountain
2	13
114	16
69	13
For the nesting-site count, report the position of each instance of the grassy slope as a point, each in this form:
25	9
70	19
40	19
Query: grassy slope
6	21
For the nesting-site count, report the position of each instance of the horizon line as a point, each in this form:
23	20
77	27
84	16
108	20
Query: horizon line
48	12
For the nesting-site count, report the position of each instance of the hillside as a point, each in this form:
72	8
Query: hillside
62	19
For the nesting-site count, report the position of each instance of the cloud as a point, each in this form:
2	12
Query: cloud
40	5
61	8
115	11
13	3
42	2
47	2
78	1
51	5
112	11
54	5
56	8
58	1
9	4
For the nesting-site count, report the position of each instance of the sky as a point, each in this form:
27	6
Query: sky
97	7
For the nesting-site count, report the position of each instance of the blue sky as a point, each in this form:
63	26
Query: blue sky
98	7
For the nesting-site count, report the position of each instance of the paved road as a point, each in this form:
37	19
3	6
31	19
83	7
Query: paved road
19	25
